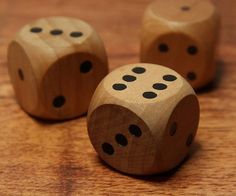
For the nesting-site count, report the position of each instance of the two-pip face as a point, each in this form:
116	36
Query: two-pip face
55	65
143	118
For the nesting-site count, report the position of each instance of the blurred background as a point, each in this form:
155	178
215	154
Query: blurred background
118	22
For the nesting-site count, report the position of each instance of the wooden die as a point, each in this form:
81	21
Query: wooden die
182	34
55	65
143	119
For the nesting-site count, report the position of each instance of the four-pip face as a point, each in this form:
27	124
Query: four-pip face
182	35
143	118
55	65
182	54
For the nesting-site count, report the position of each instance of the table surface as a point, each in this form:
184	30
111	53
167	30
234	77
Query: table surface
42	158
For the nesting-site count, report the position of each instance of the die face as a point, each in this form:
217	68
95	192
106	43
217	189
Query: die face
56	33
181	53
183	10
143	83
124	141
179	133
23	78
68	85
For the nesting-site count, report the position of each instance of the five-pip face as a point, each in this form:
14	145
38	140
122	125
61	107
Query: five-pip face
55	65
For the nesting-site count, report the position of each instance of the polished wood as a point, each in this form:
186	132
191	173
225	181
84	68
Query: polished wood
55	65
182	35
45	158
143	119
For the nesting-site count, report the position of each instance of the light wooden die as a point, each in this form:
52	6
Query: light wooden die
55	65
143	119
183	35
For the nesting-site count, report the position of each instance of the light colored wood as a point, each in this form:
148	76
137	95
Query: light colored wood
182	35
44	159
138	133
55	74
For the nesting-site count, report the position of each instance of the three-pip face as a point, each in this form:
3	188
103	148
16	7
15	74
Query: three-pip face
143	118
182	35
55	65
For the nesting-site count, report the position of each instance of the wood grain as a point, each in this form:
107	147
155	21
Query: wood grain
112	112
44	158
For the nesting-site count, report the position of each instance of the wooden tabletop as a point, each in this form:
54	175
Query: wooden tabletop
42	158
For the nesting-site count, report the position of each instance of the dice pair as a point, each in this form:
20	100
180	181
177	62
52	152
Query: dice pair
143	117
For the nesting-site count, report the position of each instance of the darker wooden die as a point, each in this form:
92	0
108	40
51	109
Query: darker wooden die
143	119
182	35
55	65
